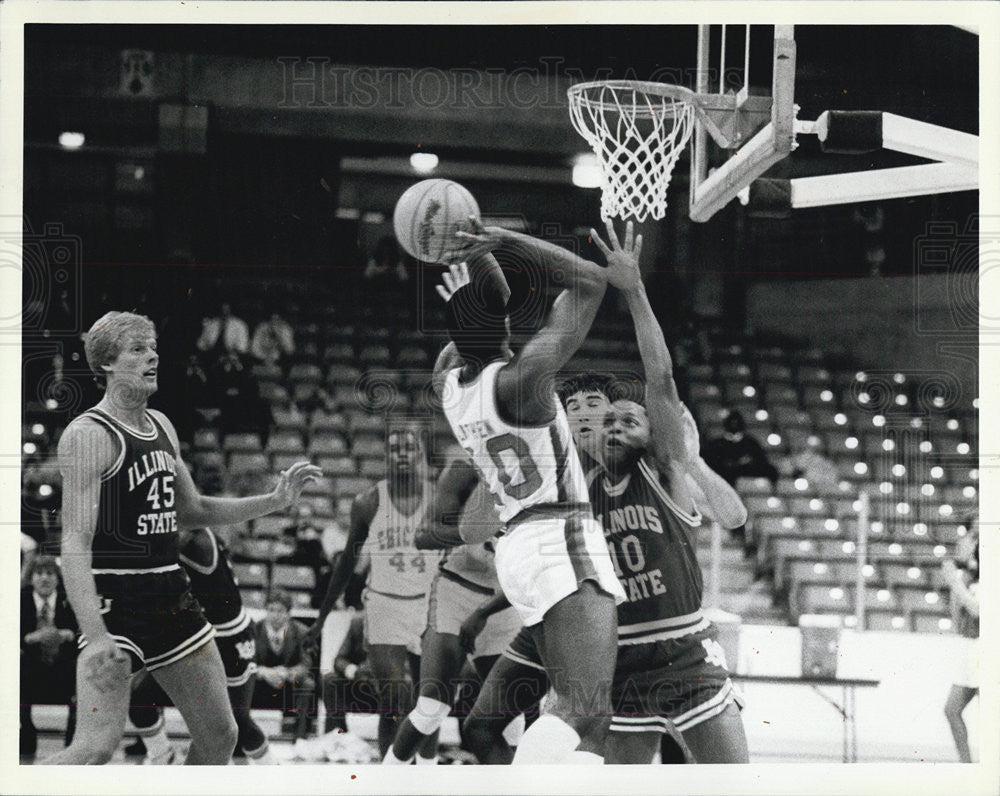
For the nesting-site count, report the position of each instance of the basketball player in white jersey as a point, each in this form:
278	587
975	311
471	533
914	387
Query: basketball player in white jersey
126	495
551	560
384	520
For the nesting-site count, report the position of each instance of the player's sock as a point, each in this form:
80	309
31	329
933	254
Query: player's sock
157	743
548	740
514	731
261	755
390	759
426	761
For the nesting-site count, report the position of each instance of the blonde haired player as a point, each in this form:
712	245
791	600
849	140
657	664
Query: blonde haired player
126	494
551	560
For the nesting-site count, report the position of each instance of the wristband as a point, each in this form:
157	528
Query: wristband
350	670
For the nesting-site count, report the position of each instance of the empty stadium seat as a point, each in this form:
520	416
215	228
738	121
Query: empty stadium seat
251	575
209	459
288	418
206	439
241	442
305	372
342	373
285	441
322	420
327	443
253	598
288	576
270	526
246	462
374	468
273	393
339	352
368	447
282	461
351	487
338	466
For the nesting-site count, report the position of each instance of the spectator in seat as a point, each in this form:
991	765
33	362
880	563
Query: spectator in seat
349	688
737	455
305	538
272	340
240	403
385	263
48	649
224	333
962	578
284	664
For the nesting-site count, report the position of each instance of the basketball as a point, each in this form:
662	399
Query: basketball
427	216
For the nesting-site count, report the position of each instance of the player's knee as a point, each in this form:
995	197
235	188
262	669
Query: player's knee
592	728
428	715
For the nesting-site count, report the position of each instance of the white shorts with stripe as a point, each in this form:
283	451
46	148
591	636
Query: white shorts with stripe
449	604
394	620
542	561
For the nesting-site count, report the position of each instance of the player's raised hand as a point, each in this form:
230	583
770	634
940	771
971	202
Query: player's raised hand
294	479
457	276
481	240
623	257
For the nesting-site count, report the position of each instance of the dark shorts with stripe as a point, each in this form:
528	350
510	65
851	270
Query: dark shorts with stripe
683	680
152	616
238	650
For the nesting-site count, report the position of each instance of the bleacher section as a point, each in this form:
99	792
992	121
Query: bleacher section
887	434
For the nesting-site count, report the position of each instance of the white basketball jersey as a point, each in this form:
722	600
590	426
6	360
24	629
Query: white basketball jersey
397	566
522	466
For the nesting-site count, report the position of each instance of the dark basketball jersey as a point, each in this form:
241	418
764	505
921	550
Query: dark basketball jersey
213	582
137	518
654	556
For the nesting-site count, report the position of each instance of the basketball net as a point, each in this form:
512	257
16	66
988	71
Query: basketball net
638	131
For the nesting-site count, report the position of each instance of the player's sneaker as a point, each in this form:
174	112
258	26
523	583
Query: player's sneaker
168	758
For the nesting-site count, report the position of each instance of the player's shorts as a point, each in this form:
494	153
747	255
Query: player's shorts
393	620
541	561
682	680
152	616
966	673
522	650
238	649
450	601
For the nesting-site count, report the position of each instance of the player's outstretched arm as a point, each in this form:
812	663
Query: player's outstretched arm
439	527
714	495
195	510
524	386
663	404
362	513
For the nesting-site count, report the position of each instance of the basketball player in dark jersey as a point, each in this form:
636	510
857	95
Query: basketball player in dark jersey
669	663
126	494
206	561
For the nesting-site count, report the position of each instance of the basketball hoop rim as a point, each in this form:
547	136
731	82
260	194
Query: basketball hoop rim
701	103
